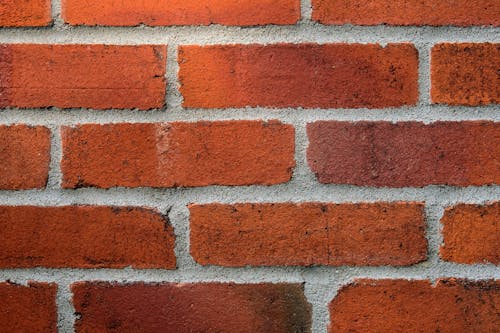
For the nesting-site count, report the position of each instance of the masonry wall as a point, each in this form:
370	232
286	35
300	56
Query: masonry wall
251	166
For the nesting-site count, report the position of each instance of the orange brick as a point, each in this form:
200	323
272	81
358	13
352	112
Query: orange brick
84	237
25	13
407	12
465	74
471	234
416	306
299	75
88	76
180	12
24	157
178	154
308	234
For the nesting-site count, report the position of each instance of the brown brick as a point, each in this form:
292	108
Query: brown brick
22	13
471	234
87	76
416	306
465	74
183	308
408	12
404	154
30	308
84	237
24	157
299	75
178	154
308	234
180	12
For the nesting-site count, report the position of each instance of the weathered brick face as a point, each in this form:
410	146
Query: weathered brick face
308	234
277	166
186	308
463	13
181	12
299	75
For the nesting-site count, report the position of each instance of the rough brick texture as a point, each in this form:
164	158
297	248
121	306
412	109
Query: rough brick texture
24	157
308	234
471	234
84	237
465	74
88	76
25	13
183	308
407	12
293	75
416	306
404	154
178	154
180	12
30	308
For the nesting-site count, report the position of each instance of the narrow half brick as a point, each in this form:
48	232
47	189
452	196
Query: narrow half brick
87	76
85	237
383	154
407	12
308	234
184	308
25	13
471	234
30	308
299	75
465	74
416	306
180	12
24	157
178	154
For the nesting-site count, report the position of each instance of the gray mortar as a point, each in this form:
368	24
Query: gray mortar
321	283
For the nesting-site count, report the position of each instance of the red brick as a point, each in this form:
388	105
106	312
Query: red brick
22	13
177	154
88	76
30	308
472	234
24	157
465	74
404	154
299	75
407	12
84	237
308	234
183	308
449	306
180	12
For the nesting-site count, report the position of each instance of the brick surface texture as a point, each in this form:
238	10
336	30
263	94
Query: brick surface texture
28	308
278	166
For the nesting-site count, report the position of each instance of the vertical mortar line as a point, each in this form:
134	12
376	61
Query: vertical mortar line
56	8
55	175
174	97
66	315
424	74
178	215
319	294
305	10
433	214
301	173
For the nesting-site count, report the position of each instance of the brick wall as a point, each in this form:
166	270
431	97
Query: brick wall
249	166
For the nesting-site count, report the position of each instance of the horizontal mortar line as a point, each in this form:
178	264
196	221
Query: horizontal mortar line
294	191
424	114
317	274
305	32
